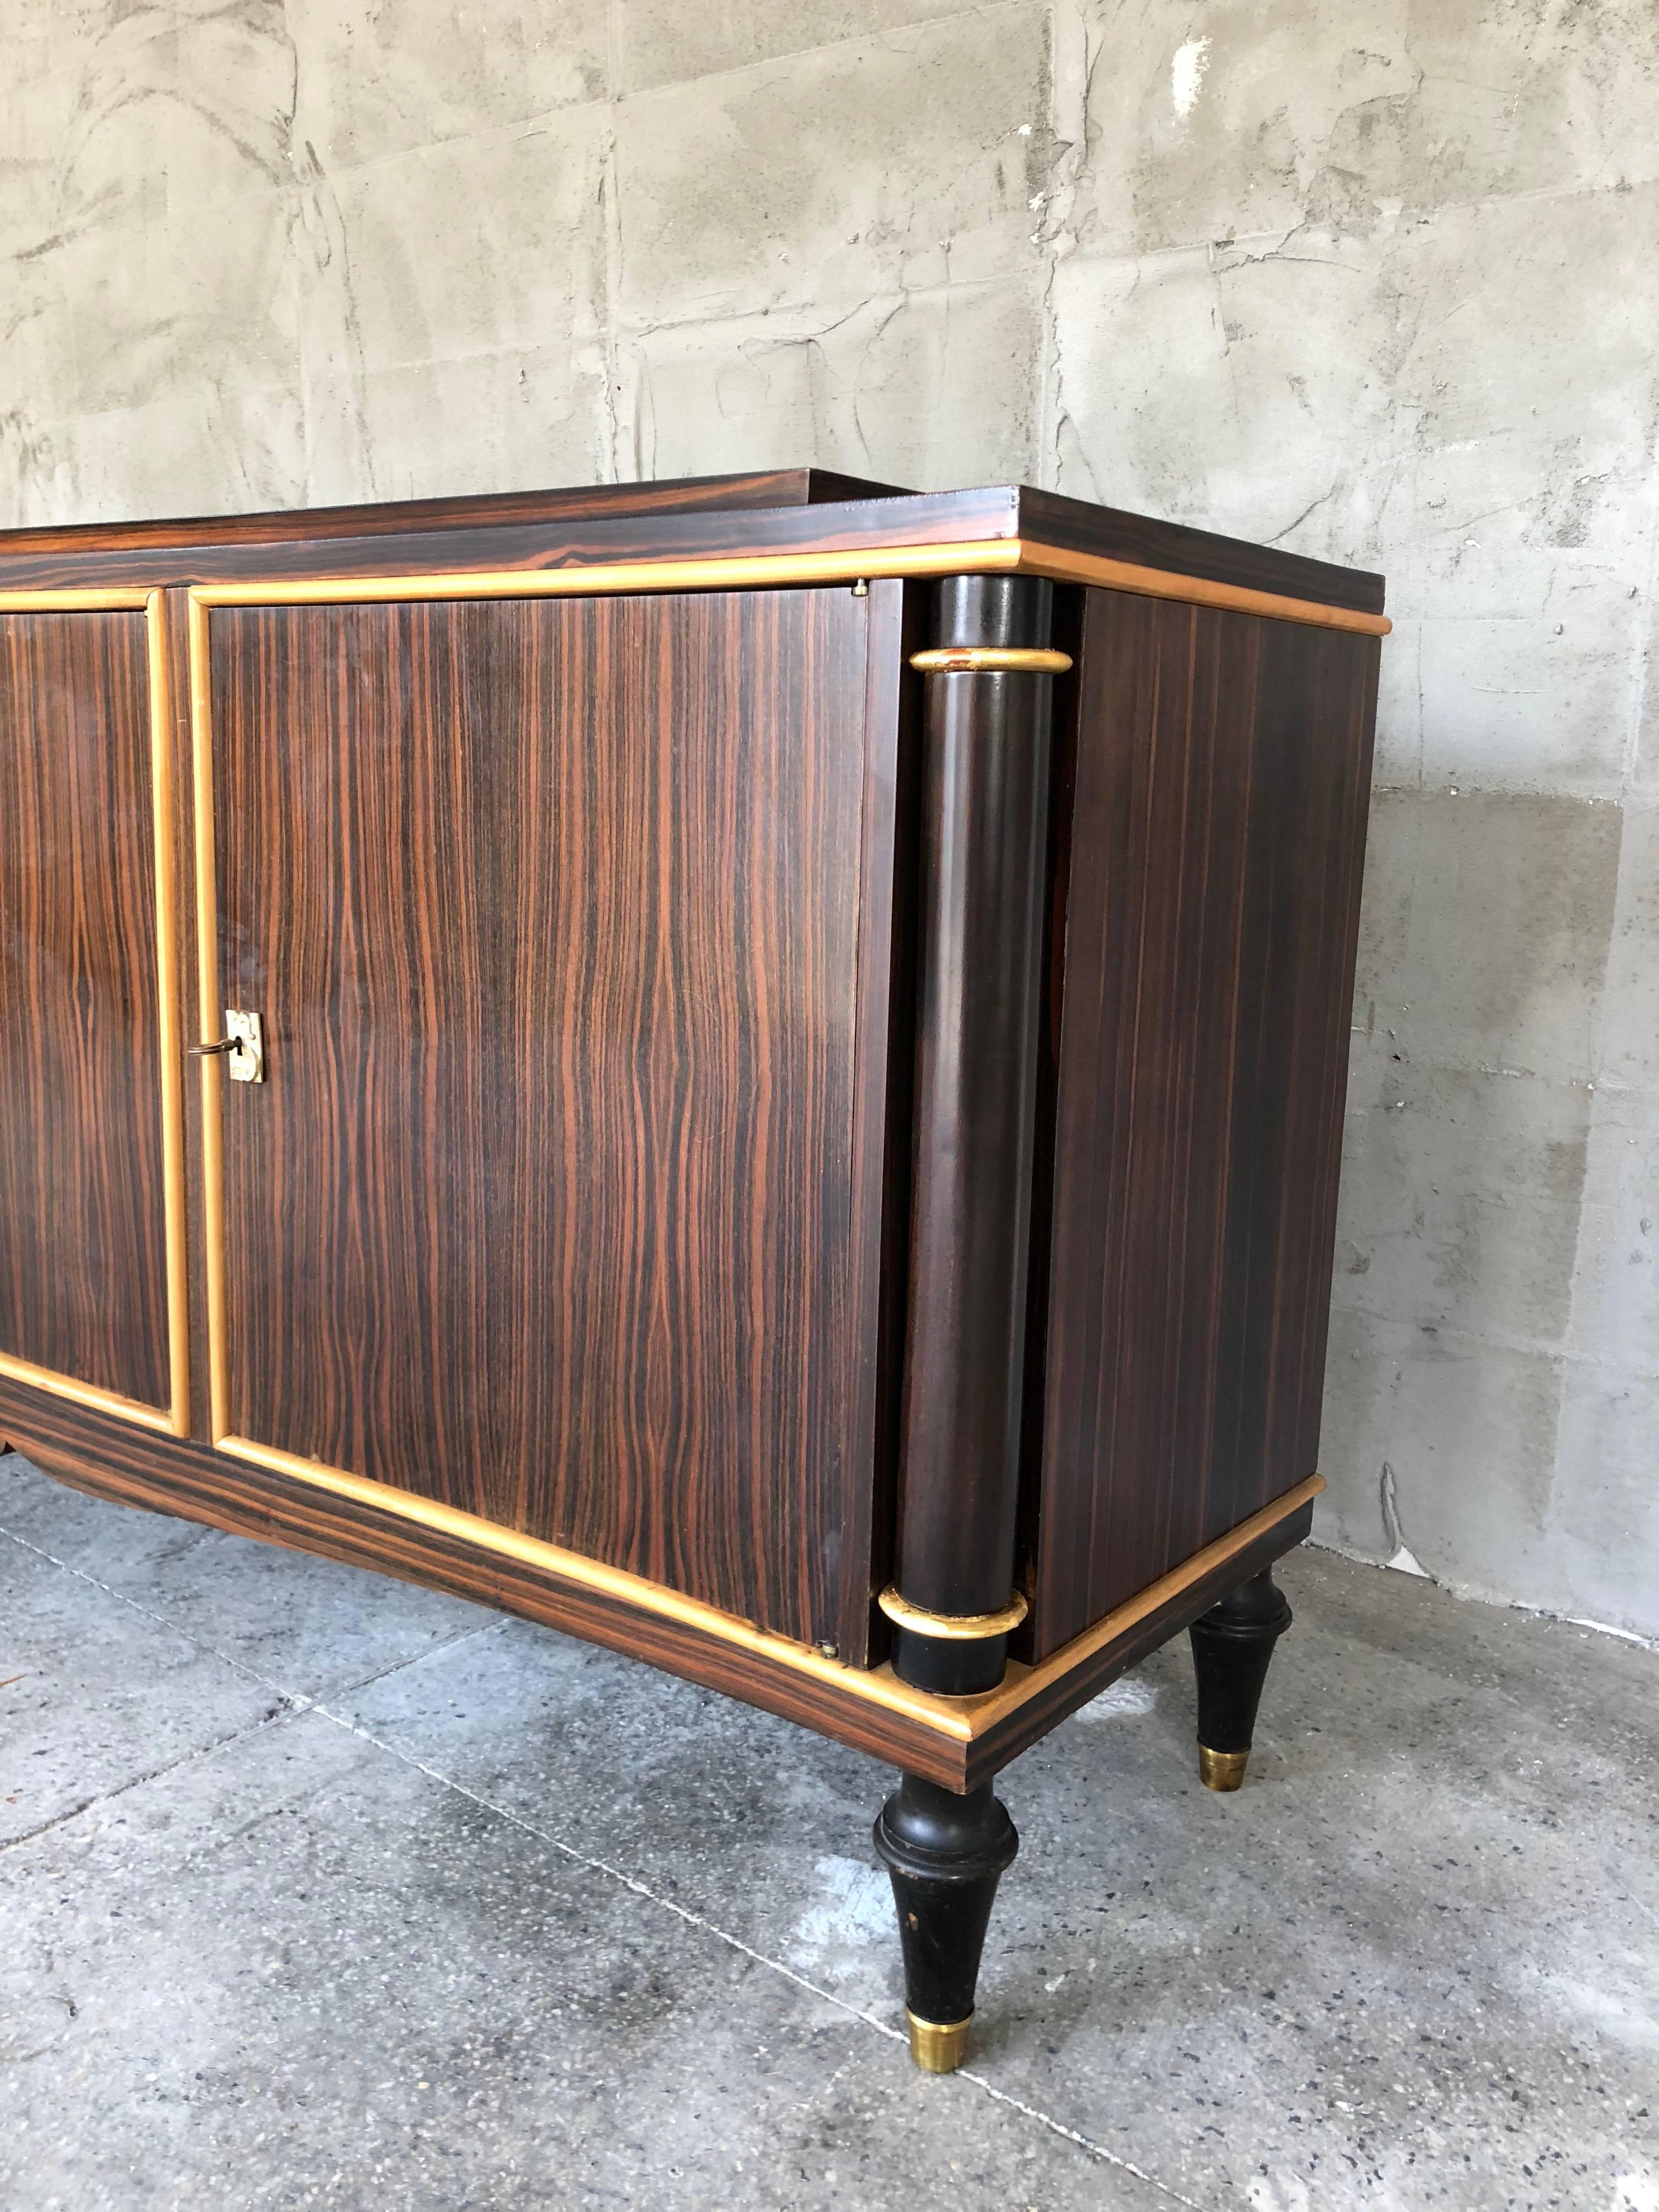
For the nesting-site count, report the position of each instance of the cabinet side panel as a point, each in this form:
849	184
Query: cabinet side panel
546	1209
84	1292
1222	776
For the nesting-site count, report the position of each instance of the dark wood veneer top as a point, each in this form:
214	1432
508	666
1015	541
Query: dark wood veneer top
781	511
392	517
1077	526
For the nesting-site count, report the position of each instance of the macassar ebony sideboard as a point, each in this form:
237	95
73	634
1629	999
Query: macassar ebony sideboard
751	1069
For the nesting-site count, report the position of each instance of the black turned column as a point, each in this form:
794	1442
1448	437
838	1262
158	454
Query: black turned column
989	677
1232	1644
945	1854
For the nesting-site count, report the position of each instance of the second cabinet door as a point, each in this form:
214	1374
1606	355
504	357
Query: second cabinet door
91	1161
546	1208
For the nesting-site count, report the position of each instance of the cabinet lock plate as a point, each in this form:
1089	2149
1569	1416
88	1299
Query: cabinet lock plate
247	1063
243	1047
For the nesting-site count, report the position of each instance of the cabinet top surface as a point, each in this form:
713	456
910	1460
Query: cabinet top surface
763	488
793	514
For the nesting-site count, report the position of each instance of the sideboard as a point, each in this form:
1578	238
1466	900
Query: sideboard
751	1069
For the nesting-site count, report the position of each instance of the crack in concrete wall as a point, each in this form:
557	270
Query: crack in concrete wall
1373	281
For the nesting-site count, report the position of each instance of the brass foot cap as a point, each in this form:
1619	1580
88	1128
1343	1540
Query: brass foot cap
1221	1770
938	2048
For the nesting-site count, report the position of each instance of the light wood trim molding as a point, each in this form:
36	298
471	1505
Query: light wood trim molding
877	1686
207	1014
167	974
757	572
116	600
1065	567
175	1417
958	1720
716	573
1021	1684
87	1393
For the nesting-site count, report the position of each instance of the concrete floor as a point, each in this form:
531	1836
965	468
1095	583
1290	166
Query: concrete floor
315	1889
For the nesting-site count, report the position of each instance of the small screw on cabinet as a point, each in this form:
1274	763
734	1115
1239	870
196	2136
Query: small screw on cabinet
906	938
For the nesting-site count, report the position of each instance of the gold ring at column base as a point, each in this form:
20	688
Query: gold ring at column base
952	1627
937	2049
1221	1770
990	660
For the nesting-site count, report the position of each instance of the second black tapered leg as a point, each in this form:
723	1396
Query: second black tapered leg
1232	1644
945	1854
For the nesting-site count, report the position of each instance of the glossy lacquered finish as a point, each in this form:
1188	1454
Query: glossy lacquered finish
1215	833
765	489
944	1854
804	1163
958	1742
551	1205
731	1119
811	517
1105	533
980	883
1232	1647
83	1228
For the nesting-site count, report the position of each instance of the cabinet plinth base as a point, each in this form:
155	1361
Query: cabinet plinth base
957	1741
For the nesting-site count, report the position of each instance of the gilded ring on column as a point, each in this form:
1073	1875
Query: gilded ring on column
959	1627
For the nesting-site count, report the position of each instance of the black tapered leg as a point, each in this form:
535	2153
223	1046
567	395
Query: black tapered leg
1232	1644
946	1855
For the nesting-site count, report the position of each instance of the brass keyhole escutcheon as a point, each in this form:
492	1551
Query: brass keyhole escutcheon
243	1046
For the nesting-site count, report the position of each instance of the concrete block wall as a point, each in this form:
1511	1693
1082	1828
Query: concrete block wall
1374	280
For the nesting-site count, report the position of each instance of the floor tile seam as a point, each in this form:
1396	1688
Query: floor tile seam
1519	1613
266	1681
706	1926
287	1709
411	1659
157	1620
295	1704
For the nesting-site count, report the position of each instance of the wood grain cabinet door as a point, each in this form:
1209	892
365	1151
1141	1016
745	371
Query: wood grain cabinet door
91	1158
559	1204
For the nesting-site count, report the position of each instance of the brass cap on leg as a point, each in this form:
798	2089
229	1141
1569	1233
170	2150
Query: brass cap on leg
1221	1770
938	2048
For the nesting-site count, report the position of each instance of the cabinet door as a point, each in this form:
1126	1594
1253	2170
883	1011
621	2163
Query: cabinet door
555	1205
91	1169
